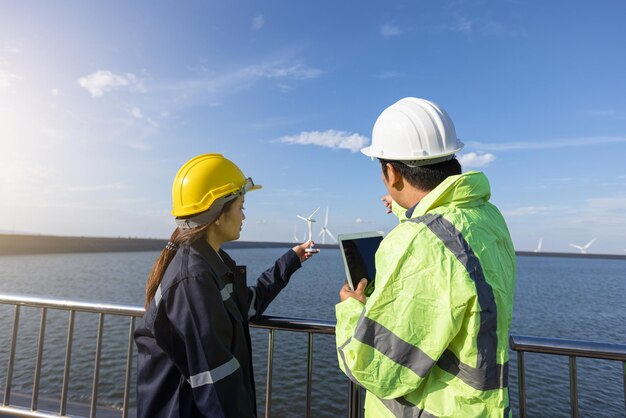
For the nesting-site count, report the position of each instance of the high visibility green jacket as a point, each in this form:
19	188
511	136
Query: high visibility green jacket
432	339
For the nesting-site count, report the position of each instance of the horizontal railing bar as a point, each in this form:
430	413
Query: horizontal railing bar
565	347
317	326
43	302
23	412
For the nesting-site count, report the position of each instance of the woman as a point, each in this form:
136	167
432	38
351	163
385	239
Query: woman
195	358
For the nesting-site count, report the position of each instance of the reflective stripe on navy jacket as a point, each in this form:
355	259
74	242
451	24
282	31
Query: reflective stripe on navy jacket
194	354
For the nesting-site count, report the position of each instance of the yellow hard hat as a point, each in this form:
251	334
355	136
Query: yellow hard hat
203	180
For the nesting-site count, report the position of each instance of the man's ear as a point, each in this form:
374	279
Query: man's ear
395	179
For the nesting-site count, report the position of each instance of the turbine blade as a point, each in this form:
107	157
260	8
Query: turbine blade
315	211
589	243
326	221
332	236
577	246
303	218
322	232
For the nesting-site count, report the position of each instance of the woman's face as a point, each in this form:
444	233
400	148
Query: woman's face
231	221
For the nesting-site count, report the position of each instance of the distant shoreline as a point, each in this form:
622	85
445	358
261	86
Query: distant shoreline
18	244
570	255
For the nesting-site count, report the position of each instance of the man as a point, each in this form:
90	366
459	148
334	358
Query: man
432	339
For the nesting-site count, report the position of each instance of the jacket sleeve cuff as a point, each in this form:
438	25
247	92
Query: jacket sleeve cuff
348	313
292	262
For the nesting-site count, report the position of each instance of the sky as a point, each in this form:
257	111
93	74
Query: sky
102	102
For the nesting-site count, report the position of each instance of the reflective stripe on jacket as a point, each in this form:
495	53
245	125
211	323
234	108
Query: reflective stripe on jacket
194	354
432	339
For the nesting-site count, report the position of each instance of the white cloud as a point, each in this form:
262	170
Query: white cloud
136	112
55	92
532	211
11	49
285	88
389	30
473	159
258	22
152	122
211	90
139	146
54	133
98	187
330	139
608	204
295	71
550	183
389	74
104	80
462	24
608	113
549	144
7	78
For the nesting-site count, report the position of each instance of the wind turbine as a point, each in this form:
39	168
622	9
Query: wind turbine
539	245
325	230
309	220
583	249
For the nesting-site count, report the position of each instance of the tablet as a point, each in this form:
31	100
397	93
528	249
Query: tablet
358	252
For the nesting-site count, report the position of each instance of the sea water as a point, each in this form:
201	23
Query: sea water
572	298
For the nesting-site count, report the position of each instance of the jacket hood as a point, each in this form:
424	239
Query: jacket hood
464	190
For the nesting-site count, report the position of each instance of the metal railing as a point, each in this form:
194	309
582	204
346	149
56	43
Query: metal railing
19	301
311	327
520	344
273	324
561	347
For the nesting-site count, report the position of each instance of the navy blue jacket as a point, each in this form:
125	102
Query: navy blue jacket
194	353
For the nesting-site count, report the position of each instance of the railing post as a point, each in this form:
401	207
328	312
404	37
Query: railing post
96	367
521	384
129	366
40	345
624	364
573	387
68	361
7	387
309	376
354	400
268	383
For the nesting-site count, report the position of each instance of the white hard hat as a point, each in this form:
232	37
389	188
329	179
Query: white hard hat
415	131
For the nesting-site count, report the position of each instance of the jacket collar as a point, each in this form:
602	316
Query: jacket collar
219	263
410	211
464	190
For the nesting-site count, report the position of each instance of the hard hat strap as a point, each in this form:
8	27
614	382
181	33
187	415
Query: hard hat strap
207	216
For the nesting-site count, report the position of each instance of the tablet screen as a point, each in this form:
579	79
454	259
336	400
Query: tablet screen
358	255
